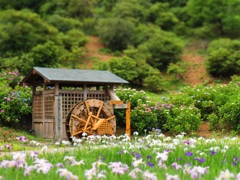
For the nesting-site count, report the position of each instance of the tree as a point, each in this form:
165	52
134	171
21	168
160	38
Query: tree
73	38
22	30
164	47
77	9
161	15
178	69
74	57
63	24
81	8
223	58
115	33
220	16
45	55
129	9
21	4
124	67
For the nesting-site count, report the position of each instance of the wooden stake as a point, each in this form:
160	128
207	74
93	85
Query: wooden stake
128	127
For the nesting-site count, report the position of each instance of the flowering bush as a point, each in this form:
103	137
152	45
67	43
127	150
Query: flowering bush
183	119
146	117
143	118
15	100
218	104
129	95
133	96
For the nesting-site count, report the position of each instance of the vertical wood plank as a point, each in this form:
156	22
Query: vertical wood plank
43	108
85	91
128	127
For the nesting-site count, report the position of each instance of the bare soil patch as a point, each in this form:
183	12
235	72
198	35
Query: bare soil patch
204	130
92	53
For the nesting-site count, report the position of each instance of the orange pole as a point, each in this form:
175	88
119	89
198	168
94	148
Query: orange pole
128	127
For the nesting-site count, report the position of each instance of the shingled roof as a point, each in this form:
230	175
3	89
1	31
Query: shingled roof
52	75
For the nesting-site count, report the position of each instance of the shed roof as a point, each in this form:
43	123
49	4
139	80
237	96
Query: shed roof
72	76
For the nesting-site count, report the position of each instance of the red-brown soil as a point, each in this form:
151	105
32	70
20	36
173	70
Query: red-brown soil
92	53
204	130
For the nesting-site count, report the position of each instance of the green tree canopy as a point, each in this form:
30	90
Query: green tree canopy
223	58
21	4
115	33
164	48
22	30
220	16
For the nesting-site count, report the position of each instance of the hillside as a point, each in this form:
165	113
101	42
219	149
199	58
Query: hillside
196	73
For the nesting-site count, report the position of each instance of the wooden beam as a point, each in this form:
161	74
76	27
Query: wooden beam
115	102
113	95
120	106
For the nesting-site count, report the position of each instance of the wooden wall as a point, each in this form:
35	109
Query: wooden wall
50	110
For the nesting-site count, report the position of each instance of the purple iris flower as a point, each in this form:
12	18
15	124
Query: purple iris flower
150	164
189	153
201	160
149	157
138	156
212	153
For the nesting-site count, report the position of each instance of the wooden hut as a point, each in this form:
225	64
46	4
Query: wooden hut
56	91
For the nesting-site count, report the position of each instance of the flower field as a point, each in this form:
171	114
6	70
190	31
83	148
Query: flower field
149	157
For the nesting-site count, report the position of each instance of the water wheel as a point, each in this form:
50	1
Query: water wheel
93	117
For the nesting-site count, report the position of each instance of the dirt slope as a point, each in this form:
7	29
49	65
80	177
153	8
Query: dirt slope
92	52
196	73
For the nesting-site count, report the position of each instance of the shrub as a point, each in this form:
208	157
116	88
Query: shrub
63	24
156	80
136	98
115	33
15	105
230	115
183	119
143	118
124	67
15	100
218	104
223	57
178	69
164	48
45	55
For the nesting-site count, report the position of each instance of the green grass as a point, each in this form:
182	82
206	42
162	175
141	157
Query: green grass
8	137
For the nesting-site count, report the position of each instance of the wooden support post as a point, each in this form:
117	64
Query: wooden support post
128	127
43	109
118	104
85	92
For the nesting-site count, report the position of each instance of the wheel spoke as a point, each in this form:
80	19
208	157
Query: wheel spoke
100	109
112	117
87	106
78	118
74	134
89	117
